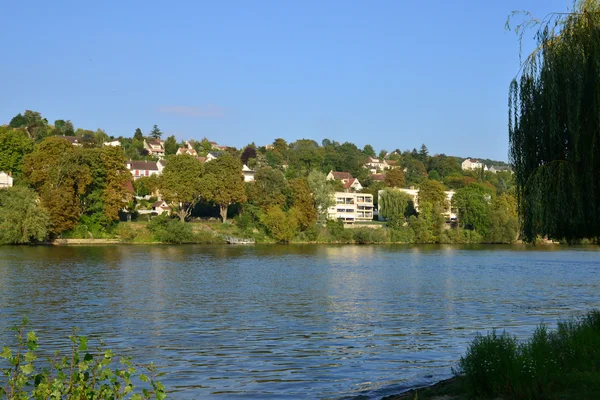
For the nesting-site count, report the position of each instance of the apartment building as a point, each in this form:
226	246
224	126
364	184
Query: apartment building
449	212
351	207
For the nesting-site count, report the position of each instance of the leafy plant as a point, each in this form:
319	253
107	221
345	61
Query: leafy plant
83	374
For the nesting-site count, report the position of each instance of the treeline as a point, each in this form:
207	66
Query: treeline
63	190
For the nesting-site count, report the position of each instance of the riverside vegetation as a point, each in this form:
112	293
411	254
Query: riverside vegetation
552	364
66	191
84	373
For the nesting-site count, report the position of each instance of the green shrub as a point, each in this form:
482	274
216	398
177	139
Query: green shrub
549	362
82	374
126	232
369	235
403	234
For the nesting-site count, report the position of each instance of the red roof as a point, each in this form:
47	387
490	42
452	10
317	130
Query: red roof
342	175
143	165
349	184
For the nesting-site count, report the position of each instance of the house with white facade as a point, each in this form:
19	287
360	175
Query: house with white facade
187	150
375	165
471	164
351	207
449	213
155	147
113	143
248	173
350	183
141	169
6	180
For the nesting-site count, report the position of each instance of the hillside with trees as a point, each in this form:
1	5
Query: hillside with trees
82	188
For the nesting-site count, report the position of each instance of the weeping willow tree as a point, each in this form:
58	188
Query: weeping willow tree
554	128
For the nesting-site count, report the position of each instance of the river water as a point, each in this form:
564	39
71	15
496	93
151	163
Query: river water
293	321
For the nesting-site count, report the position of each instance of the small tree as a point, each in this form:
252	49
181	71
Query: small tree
181	184
323	193
394	206
224	183
155	133
138	135
22	219
394	178
171	146
433	192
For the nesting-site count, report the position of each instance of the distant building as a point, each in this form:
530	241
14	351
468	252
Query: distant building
155	147
377	177
471	164
187	150
351	207
74	140
113	143
350	183
500	168
6	180
161	207
141	169
449	213
248	174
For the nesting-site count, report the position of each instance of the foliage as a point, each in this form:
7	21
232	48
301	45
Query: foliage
59	174
171	146
33	123
369	235
395	206
248	153
83	374
322	193
270	188
427	227
181	184
14	145
504	224
155	133
473	206
224	183
280	225
432	192
395	178
338	233
22	219
553	128
302	203
167	230
138	135
550	362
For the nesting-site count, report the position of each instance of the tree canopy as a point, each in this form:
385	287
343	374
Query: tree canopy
553	128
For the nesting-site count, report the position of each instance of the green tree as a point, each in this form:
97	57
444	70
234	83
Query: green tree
203	147
280	225
224	183
22	219
155	133
323	193
171	146
415	171
302	203
270	188
504	224
432	192
248	154
394	178
14	146
62	127
394	206
368	151
138	135
181	184
473	206
59	173
423	154
34	124
553	127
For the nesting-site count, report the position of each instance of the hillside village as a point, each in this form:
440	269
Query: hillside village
300	181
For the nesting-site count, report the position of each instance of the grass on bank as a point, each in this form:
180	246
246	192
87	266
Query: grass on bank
553	364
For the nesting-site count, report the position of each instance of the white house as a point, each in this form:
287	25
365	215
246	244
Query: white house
248	173
501	168
140	169
187	150
350	183
375	165
156	147
472	164
6	180
351	207
113	143
161	207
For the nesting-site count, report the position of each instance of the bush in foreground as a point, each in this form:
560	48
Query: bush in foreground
549	362
82	374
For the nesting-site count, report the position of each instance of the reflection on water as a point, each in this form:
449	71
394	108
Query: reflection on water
293	321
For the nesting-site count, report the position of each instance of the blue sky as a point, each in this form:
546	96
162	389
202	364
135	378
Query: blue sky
393	74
